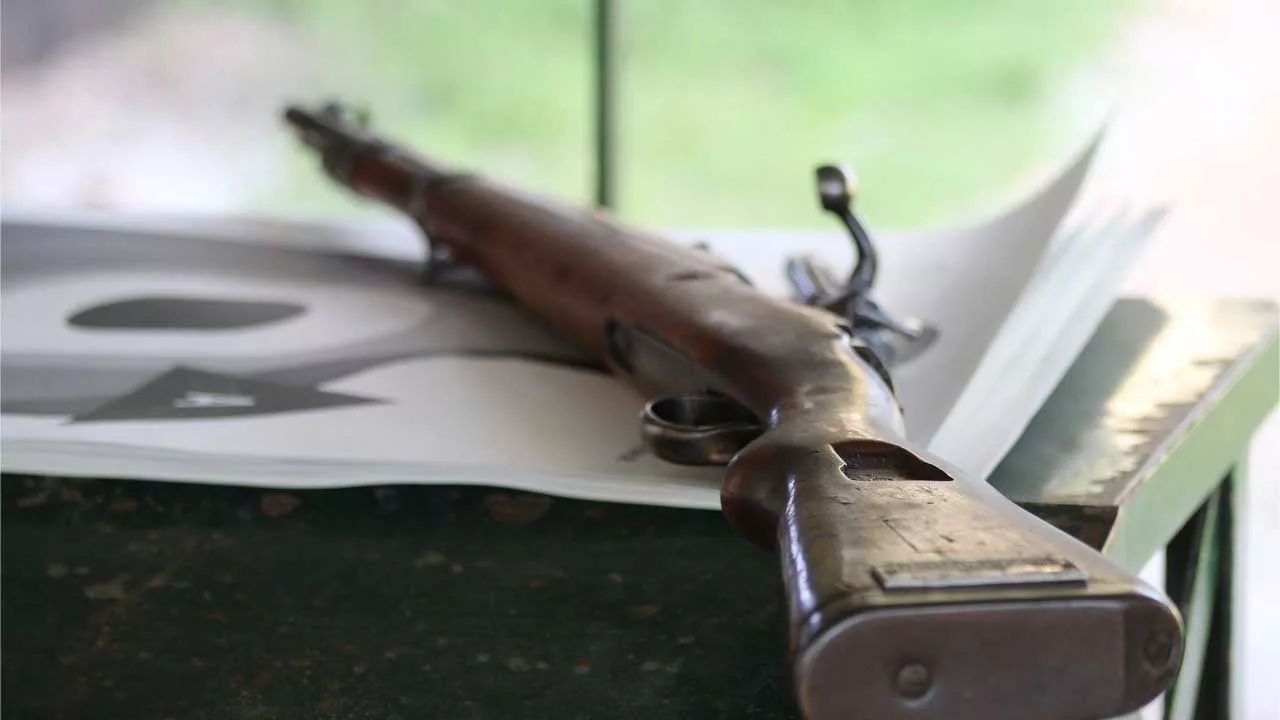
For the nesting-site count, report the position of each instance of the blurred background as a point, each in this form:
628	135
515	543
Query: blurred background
723	108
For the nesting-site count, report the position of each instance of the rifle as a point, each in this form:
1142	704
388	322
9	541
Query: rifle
912	589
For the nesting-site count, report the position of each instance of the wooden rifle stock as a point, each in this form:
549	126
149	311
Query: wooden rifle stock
914	591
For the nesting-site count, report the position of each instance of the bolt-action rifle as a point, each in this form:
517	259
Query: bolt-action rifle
913	590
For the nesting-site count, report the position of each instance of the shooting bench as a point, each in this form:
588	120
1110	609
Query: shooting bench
155	600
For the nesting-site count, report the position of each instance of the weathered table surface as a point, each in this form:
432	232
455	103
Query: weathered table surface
152	600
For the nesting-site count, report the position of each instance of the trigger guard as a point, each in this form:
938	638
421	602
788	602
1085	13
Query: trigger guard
697	429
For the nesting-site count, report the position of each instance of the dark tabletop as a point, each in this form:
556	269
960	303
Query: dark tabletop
127	599
150	600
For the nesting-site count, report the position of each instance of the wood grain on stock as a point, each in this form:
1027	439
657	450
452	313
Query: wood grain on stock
912	590
606	286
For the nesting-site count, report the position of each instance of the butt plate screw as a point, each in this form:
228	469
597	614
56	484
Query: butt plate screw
913	681
1159	650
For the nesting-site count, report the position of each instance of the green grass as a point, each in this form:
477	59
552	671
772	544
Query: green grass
726	105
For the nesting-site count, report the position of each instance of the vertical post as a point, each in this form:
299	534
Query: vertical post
605	119
1220	688
1195	566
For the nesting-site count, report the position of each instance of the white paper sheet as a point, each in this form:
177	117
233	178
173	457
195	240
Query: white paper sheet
363	375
